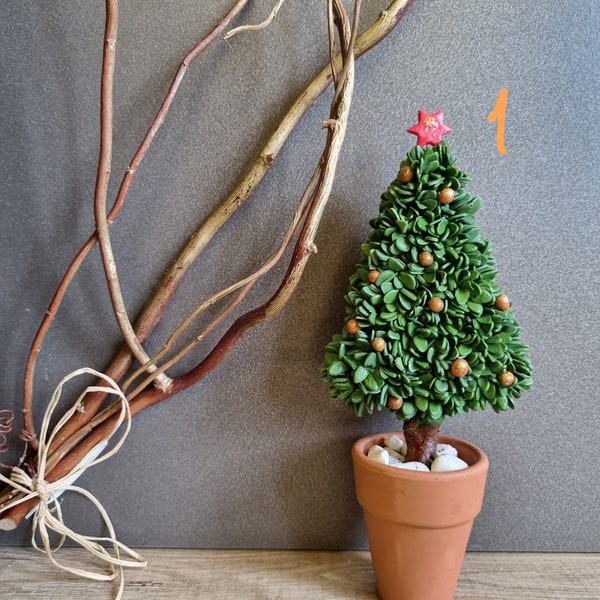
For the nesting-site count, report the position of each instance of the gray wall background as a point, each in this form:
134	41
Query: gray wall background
257	456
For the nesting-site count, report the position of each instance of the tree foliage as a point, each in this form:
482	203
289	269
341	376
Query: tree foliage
398	347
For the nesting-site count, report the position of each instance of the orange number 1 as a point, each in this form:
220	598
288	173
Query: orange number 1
499	114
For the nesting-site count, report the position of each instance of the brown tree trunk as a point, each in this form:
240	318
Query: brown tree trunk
421	441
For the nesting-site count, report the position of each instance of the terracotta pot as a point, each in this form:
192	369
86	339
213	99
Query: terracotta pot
418	523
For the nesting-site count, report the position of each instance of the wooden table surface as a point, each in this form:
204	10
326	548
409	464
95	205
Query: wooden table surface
291	575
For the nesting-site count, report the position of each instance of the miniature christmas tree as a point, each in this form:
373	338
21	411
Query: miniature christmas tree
428	332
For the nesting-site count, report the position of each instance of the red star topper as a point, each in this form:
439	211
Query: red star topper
430	128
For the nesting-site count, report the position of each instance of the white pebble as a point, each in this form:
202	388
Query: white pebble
393	442
448	462
394	454
413	466
379	454
446	449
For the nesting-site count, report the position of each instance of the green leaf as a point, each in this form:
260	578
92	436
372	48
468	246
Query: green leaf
501	403
409	410
430	164
420	343
395	265
406	303
483	297
441	227
372	384
385	277
475	205
421	403
430	203
489	392
431	354
371	360
360	374
351	362
402	244
369	290
440	386
435	410
475	308
387	315
391	297
357	397
496	349
363	344
408	280
385	286
500	338
337	368
421	224
462	296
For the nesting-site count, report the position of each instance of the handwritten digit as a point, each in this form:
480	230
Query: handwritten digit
499	114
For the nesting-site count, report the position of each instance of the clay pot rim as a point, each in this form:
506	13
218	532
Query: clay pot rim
361	446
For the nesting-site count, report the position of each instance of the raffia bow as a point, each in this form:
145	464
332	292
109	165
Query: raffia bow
48	516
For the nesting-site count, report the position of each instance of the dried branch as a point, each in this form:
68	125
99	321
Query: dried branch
77	438
155	307
123	189
102	180
246	284
336	125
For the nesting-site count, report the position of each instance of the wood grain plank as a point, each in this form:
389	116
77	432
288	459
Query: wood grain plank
292	575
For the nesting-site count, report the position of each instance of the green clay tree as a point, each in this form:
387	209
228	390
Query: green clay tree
428	332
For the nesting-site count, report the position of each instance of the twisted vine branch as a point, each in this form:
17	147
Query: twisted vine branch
112	215
156	305
82	432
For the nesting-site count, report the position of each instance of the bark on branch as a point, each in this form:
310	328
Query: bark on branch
83	431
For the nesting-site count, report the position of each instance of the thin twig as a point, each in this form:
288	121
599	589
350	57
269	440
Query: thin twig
331	37
104	168
258	26
336	127
210	227
166	105
90	243
304	248
247	283
77	444
155	307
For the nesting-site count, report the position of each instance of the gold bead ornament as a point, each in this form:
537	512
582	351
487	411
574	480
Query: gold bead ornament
446	195
378	344
436	304
405	174
394	403
425	259
459	368
502	302
506	379
352	326
373	275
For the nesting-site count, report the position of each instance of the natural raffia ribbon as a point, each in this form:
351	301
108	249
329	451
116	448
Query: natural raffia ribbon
48	516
